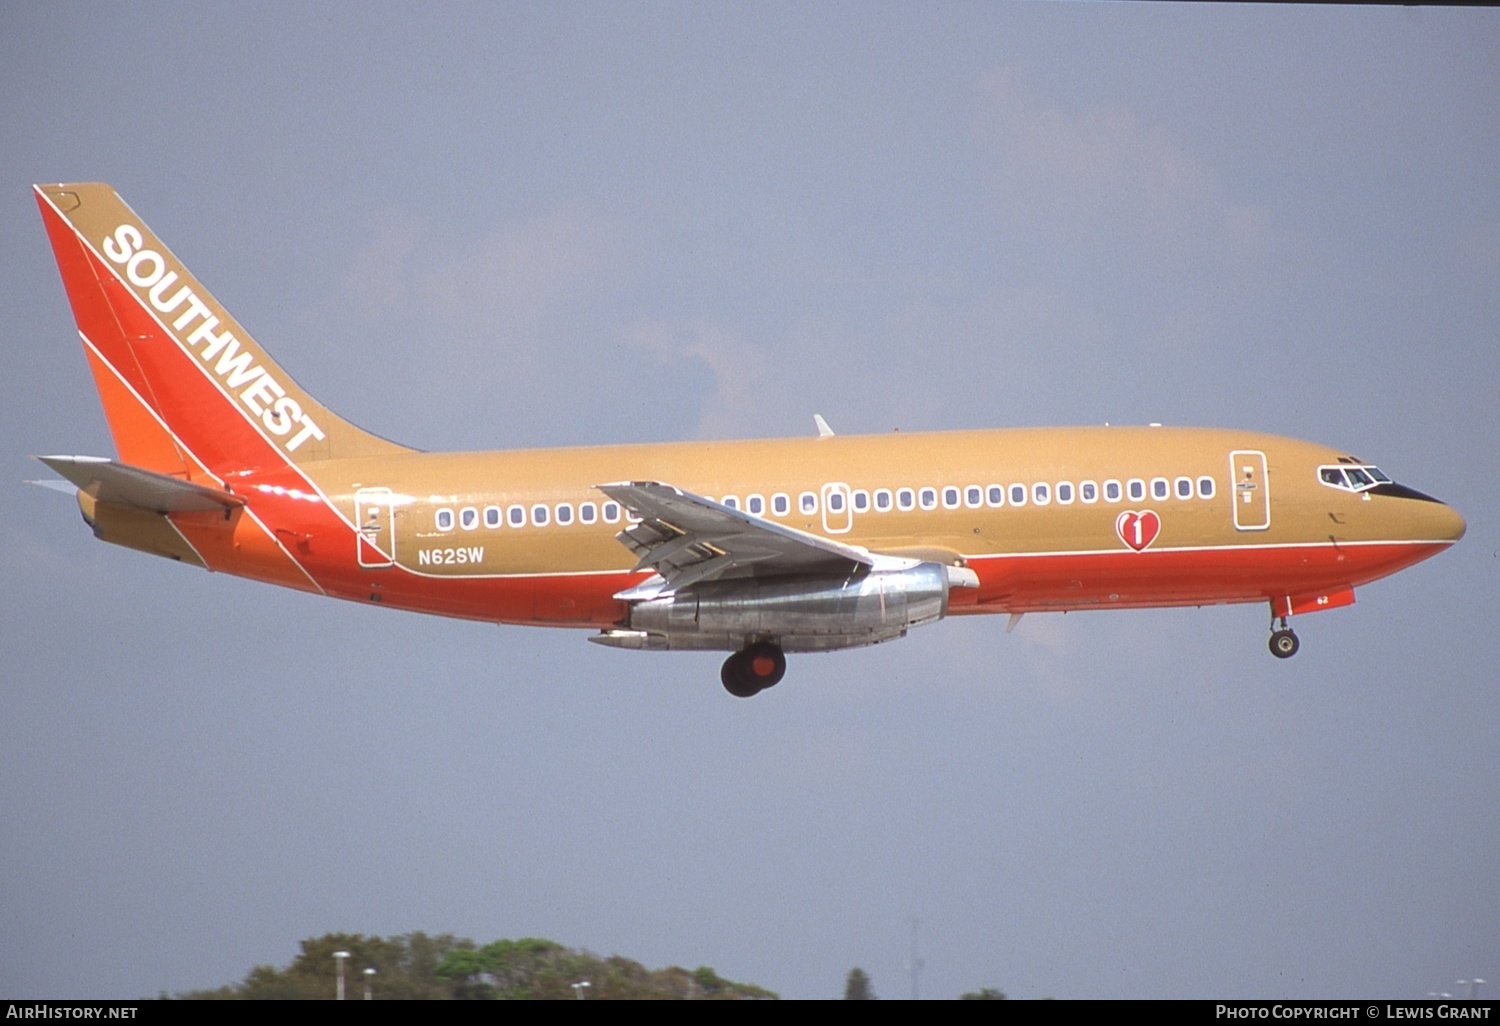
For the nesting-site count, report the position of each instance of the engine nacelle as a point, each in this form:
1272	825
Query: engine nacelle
802	613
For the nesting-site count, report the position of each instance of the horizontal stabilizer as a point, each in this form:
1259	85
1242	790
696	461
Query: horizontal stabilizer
66	487
124	485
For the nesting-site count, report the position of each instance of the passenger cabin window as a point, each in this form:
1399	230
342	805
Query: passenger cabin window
564	513
861	501
1184	486
928	498
539	515
492	516
883	500
1064	493
732	501
1018	495
445	519
756	504
808	503
781	504
836	502
516	515
995	495
587	512
973	496
905	499
1112	491
1160	489
1040	494
611	512
469	518
1137	489
1088	491
1205	488
950	497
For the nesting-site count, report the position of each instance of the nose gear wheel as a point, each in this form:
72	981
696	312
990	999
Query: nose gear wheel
1284	643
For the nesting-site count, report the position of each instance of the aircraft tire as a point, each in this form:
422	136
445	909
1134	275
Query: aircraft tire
1284	644
751	671
736	677
765	663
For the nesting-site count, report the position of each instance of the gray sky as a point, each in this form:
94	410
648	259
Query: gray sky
517	225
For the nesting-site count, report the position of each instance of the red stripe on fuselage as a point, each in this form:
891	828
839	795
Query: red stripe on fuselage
1182	577
1008	583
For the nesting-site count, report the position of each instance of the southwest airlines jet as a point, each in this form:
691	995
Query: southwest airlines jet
757	548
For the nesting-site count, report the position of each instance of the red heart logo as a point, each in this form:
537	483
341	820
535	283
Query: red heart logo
1137	530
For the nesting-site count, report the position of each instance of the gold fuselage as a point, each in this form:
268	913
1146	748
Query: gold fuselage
1301	535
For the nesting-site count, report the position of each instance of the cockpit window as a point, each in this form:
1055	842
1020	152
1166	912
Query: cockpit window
1352	477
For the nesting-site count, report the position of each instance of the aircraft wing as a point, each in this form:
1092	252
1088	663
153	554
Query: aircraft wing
120	483
686	539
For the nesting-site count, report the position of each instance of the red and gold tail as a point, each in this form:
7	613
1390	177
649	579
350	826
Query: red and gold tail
186	390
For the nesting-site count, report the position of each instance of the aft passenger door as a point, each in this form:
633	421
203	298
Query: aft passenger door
1252	494
374	514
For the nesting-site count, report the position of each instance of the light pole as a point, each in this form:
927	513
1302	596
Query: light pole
339	957
1473	986
914	964
369	983
579	987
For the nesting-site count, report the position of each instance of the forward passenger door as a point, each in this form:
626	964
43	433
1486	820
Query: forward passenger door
1251	490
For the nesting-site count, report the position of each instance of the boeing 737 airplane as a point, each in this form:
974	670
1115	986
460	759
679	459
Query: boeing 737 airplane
757	548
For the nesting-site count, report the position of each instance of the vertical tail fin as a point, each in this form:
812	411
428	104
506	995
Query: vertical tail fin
185	388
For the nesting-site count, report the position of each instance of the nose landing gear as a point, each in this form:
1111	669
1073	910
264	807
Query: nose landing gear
752	670
1284	643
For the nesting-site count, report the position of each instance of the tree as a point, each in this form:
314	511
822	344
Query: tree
419	966
857	986
984	994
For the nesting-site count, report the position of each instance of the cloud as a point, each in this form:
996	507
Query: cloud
505	282
733	405
1107	181
472	323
